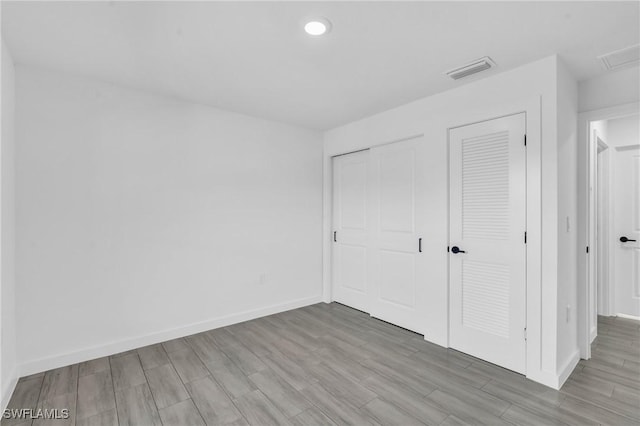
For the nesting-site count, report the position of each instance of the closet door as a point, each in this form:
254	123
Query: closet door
351	230
487	287
397	272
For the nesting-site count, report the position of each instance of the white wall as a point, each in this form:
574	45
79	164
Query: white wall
623	131
567	95
531	88
8	363
610	89
141	218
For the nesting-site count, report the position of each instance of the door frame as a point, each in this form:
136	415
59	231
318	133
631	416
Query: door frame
540	367
586	216
602	259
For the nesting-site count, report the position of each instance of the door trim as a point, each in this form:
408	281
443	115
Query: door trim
537	368
541	347
603	246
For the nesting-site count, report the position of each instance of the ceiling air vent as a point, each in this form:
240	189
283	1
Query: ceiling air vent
471	68
621	58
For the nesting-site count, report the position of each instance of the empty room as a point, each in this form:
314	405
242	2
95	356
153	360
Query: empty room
320	213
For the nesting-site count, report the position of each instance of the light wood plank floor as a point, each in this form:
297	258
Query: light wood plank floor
329	364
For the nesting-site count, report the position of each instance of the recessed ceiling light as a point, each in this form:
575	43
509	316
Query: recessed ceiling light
317	26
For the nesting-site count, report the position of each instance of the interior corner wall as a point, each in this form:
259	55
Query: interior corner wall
482	99
142	218
567	98
8	360
610	89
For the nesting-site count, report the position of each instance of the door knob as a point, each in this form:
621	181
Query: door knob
456	250
625	239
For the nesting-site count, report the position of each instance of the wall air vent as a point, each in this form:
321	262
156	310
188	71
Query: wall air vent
471	68
621	58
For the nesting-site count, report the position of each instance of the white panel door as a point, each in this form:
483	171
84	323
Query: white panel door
351	229
627	226
397	266
487	248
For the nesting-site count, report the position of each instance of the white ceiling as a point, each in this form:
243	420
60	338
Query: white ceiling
255	59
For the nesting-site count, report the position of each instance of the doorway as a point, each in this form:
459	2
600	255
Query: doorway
612	224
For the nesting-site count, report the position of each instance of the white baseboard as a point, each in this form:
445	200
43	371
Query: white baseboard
568	368
61	360
553	380
632	317
8	389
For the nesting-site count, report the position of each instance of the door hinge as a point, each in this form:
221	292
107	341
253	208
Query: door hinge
334	236
587	249
525	333
447	249
525	139
525	237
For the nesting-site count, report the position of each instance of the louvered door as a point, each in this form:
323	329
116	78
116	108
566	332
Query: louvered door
487	241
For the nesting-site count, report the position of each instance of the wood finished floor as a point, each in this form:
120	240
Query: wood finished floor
329	364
